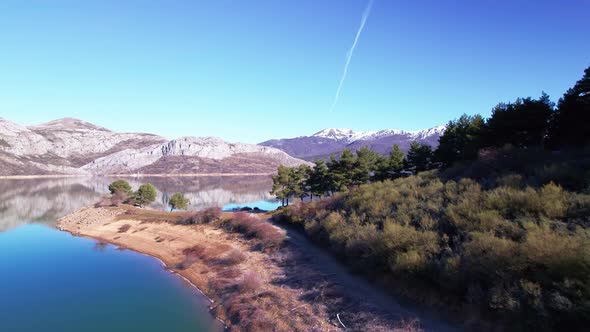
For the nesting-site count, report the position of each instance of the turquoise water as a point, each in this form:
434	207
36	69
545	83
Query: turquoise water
52	281
267	205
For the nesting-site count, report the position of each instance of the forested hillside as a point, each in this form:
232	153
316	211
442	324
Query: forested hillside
495	220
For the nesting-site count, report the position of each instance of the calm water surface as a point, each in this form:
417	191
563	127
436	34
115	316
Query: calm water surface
52	281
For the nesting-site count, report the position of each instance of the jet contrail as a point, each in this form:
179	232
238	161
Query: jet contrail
351	51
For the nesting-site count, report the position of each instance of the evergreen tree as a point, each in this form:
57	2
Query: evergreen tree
419	157
461	140
522	124
342	170
365	165
178	201
280	184
569	126
145	194
319	179
120	185
298	181
390	166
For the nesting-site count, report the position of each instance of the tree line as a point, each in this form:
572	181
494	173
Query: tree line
525	124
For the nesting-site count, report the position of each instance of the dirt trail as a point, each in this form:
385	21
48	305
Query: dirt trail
359	289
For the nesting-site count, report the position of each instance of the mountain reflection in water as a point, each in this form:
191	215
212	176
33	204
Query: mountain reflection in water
46	200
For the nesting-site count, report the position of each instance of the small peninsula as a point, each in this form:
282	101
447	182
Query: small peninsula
256	277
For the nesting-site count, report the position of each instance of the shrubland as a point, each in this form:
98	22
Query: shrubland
513	245
495	221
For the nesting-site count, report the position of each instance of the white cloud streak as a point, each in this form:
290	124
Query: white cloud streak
351	52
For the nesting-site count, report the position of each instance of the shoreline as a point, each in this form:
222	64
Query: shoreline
159	259
158	175
235	304
293	286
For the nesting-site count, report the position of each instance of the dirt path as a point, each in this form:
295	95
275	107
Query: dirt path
359	290
294	287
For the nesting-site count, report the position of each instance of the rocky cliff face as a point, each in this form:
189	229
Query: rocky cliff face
72	146
193	155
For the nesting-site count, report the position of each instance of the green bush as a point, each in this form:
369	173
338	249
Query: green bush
507	244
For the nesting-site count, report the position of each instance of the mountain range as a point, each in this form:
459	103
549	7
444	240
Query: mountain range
332	141
72	146
75	147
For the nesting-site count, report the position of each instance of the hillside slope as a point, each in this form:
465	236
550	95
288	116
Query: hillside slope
72	146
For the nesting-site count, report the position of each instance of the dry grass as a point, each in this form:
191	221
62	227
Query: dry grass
201	217
234	257
250	282
253	290
149	216
252	226
407	326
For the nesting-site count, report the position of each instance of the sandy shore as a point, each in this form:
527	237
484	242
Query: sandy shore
293	287
267	306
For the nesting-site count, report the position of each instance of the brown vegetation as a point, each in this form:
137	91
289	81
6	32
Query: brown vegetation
253	289
124	228
200	217
268	235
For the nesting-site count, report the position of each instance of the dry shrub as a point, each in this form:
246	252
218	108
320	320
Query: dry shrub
103	202
245	314
250	282
191	255
222	285
119	197
201	217
407	326
252	226
116	199
124	228
234	257
229	273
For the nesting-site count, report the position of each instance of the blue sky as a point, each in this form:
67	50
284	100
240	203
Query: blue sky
253	70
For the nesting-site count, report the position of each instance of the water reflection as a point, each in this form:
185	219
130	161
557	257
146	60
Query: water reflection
46	200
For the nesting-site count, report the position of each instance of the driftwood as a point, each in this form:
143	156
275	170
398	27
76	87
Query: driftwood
303	305
338	316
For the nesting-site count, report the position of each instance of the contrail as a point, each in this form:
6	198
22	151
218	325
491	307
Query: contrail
351	51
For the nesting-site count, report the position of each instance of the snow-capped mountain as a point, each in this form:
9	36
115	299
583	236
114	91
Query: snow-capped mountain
352	136
72	146
333	140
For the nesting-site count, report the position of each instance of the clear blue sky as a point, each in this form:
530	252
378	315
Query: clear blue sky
252	70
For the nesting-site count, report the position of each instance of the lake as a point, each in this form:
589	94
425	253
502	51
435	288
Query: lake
53	281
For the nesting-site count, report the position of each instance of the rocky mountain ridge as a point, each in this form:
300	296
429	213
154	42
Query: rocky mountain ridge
333	140
72	146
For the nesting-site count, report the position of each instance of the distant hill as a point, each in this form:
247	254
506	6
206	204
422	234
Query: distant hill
329	141
72	146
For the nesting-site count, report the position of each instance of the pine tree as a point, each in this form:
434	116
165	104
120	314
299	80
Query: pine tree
569	125
319	179
419	157
280	184
145	194
461	140
178	202
391	166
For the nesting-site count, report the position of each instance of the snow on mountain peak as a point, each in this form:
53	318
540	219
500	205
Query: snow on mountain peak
350	135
